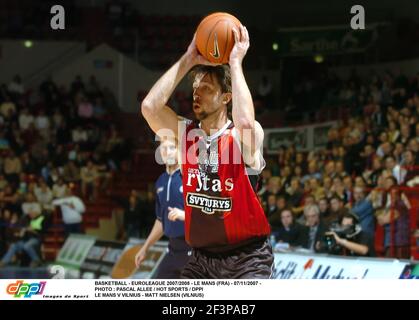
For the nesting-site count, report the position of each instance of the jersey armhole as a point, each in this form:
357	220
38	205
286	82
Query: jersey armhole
260	162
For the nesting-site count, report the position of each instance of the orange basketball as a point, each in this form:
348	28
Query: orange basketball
215	38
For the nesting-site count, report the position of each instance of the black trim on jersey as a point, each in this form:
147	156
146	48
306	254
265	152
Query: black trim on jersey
253	179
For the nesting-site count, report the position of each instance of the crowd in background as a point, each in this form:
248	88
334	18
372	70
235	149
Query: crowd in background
53	141
360	171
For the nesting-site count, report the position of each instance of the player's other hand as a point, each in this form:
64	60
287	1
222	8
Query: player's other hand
140	257
241	45
176	214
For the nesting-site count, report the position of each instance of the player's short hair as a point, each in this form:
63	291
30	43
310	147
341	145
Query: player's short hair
221	73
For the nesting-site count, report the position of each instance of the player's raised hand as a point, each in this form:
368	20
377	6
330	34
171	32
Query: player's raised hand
241	44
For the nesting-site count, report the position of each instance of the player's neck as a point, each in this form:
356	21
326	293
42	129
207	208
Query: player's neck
172	168
214	123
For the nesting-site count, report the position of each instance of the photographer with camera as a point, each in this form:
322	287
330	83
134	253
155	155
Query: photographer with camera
347	238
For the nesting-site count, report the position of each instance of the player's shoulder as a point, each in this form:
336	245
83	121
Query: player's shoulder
258	126
184	120
162	178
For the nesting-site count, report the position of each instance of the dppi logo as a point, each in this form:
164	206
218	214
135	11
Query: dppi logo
27	290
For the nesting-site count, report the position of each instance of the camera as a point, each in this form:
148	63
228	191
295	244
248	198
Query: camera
328	242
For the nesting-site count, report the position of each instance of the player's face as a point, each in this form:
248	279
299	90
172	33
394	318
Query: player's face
207	96
168	152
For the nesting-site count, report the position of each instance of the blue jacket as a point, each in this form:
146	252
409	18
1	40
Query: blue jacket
169	193
364	210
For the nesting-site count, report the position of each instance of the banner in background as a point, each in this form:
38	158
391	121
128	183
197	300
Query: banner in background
75	250
326	40
85	257
304	137
302	266
101	259
155	255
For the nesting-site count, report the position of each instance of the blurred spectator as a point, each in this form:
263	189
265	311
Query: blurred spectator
7	108
57	119
28	239
4	142
336	211
42	123
85	110
295	193
3	182
411	166
133	218
395	169
79	135
12	167
25	119
9	199
72	208
395	219
71	172
323	207
363	209
59	189
44	195
292	233
31	205
99	110
315	228
29	164
104	172
312	172
271	205
89	181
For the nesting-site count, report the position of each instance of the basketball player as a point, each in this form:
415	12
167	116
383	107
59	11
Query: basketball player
170	217
224	221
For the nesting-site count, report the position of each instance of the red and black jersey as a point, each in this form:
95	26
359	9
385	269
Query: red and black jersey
222	209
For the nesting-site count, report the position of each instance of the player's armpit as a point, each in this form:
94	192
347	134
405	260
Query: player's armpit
252	148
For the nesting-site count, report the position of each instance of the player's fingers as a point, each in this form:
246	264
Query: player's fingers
246	34
242	33
236	35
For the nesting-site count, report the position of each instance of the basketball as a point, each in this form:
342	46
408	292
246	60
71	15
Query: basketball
215	38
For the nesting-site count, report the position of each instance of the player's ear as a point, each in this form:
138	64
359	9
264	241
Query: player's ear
227	98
